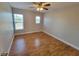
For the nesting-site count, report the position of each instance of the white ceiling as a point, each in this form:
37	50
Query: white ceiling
54	5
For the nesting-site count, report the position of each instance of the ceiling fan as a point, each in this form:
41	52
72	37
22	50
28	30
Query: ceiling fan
41	5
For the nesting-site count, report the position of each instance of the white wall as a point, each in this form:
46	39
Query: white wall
6	27
29	21
64	24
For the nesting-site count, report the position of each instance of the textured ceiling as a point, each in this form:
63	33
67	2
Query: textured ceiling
54	5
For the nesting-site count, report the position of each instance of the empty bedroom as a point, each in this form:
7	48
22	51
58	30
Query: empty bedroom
39	28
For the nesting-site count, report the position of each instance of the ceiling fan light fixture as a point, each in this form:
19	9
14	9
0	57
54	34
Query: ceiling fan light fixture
39	9
41	6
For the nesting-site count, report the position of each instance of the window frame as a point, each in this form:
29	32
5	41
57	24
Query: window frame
36	20
18	22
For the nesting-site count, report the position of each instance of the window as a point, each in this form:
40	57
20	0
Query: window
18	21
37	19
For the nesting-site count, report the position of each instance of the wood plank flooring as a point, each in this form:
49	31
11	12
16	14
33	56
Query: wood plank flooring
40	44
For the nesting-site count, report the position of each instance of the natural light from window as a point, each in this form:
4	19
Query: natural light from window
18	21
37	19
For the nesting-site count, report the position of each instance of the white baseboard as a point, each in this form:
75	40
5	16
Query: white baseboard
10	45
62	40
27	33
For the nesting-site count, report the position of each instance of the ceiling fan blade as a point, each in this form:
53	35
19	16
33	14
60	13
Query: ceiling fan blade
37	2
45	8
34	2
47	5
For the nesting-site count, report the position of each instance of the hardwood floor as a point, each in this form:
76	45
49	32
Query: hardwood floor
40	44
